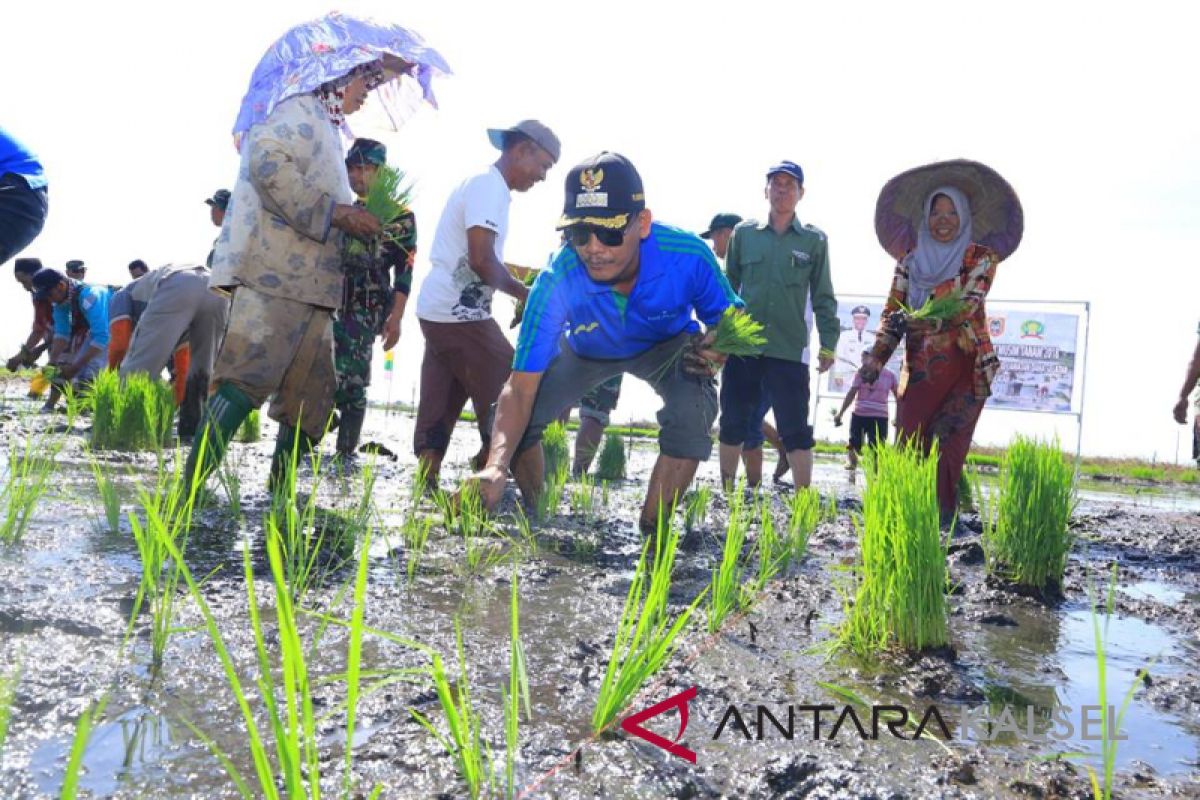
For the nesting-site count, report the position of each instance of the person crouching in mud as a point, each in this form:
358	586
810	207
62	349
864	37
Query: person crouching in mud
625	289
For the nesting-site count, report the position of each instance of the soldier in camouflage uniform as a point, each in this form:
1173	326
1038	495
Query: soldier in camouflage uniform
378	280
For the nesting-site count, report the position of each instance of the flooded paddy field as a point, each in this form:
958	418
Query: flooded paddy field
67	590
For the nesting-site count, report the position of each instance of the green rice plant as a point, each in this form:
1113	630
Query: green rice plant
481	555
900	592
695	508
110	501
416	535
463	512
8	693
294	523
546	505
387	198
941	308
363	511
829	509
804	514
583	498
464	741
105	402
646	637
229	476
966	493
1108	736
611	465
131	413
420	484
1027	537
168	512
83	732
725	587
525	530
773	552
516	692
554	448
250	431
739	334
26	482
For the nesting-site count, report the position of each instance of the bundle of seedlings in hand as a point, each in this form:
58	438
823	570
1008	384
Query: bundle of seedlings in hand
554	448
1026	534
465	740
646	637
934	309
25	482
612	459
529	278
900	593
739	334
387	198
725	588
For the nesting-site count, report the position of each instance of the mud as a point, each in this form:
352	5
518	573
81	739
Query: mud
67	590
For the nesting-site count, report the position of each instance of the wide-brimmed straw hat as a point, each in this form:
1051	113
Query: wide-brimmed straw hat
997	220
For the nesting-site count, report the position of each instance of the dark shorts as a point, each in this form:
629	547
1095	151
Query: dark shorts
873	428
22	214
601	400
744	384
689	402
754	436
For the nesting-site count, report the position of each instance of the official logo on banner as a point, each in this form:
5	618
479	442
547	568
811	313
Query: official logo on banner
1032	329
996	326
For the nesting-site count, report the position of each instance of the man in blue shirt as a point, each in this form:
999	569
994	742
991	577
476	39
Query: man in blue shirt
77	307
624	289
23	203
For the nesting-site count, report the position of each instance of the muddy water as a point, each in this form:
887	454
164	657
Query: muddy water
67	590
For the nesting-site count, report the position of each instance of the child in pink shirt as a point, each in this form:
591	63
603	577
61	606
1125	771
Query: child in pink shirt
870	417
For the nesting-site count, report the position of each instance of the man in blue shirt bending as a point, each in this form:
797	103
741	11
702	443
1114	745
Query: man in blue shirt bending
624	289
80	346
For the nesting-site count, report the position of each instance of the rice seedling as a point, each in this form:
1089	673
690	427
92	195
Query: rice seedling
416	535
110	501
900	592
739	334
829	509
482	555
1026	528
8	693
105	402
941	308
1109	729
250	431
229	476
725	587
517	691
387	198
804	514
583	498
695	508
363	510
83	732
26	482
611	466
646	637
420	484
773	553
546	505
168	512
300	539
554	448
132	413
464	743
525	530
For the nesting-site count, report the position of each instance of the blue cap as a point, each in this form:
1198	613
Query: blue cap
787	168
45	280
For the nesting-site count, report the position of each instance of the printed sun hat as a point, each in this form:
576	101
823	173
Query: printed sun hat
541	135
997	220
603	190
720	222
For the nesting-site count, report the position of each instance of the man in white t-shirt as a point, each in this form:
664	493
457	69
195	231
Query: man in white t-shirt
466	354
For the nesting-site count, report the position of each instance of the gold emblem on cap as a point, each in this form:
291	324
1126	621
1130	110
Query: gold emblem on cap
590	179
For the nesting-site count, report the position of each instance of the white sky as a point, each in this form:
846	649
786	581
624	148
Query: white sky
1087	108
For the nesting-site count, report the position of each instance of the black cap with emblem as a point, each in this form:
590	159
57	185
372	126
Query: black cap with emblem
603	190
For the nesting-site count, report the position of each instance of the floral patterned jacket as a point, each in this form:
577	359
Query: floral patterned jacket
968	330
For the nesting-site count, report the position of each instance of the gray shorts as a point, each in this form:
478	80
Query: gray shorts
689	402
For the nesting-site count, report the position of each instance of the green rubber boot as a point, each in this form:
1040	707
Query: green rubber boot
223	414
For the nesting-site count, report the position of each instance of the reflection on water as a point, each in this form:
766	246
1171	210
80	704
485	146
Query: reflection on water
134	744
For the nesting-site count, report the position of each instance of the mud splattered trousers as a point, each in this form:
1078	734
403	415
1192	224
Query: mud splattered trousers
353	341
938	402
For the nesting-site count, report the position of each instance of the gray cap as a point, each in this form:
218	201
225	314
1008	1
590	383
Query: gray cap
542	136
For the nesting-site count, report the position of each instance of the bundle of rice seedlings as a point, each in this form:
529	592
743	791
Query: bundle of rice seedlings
554	447
804	514
583	498
547	500
774	553
646	637
900	594
250	431
387	198
739	334
145	411
1026	535
109	499
612	459
105	402
725	587
941	308
695	508
26	481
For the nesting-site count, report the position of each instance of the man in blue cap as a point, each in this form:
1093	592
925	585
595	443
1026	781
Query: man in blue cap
628	292
81	313
778	266
23	199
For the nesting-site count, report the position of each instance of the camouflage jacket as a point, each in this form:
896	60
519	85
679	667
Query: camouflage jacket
375	273
277	236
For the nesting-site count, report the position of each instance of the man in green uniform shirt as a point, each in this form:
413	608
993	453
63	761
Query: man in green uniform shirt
776	266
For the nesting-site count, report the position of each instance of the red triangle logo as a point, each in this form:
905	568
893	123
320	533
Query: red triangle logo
633	724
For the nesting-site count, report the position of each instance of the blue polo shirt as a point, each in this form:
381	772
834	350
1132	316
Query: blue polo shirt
20	160
93	302
677	275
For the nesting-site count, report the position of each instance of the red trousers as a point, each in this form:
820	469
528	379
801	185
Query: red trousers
939	403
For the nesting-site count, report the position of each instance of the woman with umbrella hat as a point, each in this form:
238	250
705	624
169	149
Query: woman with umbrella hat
279	251
948	225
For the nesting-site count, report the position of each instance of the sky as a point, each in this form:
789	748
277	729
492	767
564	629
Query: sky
1083	107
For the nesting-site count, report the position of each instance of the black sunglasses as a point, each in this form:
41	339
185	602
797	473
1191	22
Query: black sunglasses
580	235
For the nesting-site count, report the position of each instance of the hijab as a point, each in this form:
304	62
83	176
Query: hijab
932	262
332	94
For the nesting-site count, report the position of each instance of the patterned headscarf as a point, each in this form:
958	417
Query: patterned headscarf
333	93
932	262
